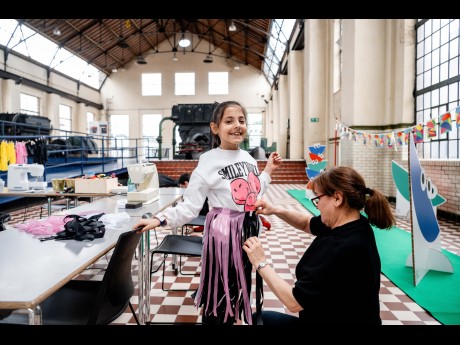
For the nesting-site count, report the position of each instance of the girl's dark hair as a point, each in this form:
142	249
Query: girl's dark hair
351	184
217	117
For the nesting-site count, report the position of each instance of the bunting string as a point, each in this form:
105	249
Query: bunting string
429	130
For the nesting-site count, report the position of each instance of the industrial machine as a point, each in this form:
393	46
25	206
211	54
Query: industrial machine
18	179
145	178
195	133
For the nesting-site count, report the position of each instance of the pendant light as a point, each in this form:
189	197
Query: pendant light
184	42
232	26
208	58
140	58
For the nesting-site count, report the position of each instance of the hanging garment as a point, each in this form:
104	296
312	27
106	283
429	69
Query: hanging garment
11	153
225	281
3	156
21	152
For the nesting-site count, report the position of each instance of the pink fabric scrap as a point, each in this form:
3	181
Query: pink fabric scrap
46	226
50	225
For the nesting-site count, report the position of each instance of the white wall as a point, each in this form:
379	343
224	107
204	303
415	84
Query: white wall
48	102
123	89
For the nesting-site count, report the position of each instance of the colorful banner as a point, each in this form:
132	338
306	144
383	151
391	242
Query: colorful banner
421	132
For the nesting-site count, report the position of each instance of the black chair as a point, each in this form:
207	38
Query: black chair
176	245
91	302
198	221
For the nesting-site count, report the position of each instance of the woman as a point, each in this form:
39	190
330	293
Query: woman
338	277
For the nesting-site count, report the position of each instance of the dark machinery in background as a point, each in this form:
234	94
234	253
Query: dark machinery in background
79	146
194	130
193	121
24	124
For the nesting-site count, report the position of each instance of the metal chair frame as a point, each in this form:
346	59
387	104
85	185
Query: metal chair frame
176	245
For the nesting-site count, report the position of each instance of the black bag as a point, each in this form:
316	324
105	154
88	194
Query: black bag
80	229
4	217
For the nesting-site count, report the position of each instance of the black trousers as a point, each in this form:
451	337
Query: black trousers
217	320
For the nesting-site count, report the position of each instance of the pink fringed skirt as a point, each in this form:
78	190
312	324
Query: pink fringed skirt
225	281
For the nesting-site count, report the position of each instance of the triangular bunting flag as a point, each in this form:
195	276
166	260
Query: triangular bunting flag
431	128
418	134
457	116
446	123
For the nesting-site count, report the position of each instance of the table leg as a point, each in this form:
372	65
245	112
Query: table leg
174	231
144	279
34	315
174	256
49	206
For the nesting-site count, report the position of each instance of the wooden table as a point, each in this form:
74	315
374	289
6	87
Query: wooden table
52	195
31	270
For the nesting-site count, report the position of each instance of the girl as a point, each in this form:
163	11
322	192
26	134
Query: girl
230	179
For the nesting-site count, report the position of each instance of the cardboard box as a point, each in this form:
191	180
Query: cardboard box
102	185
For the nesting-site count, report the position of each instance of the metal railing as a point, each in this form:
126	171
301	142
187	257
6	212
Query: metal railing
81	149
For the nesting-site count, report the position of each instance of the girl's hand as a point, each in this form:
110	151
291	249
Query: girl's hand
277	160
274	161
146	225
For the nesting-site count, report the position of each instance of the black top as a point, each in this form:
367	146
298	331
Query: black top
338	277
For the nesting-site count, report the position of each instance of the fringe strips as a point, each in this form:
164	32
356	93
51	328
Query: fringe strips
225	282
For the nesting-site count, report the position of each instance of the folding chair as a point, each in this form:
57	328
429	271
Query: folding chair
198	221
176	245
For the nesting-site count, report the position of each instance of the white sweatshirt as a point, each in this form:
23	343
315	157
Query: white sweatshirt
229	178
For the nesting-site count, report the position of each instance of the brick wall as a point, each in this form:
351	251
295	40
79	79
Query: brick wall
375	166
445	174
291	170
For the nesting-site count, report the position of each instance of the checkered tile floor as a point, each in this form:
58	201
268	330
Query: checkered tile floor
284	247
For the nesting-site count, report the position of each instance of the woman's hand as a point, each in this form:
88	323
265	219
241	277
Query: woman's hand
255	251
146	224
264	207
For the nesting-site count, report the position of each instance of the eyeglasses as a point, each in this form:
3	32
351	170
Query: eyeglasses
315	200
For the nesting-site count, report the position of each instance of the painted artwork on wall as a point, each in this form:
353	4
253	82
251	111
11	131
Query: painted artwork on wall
317	165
